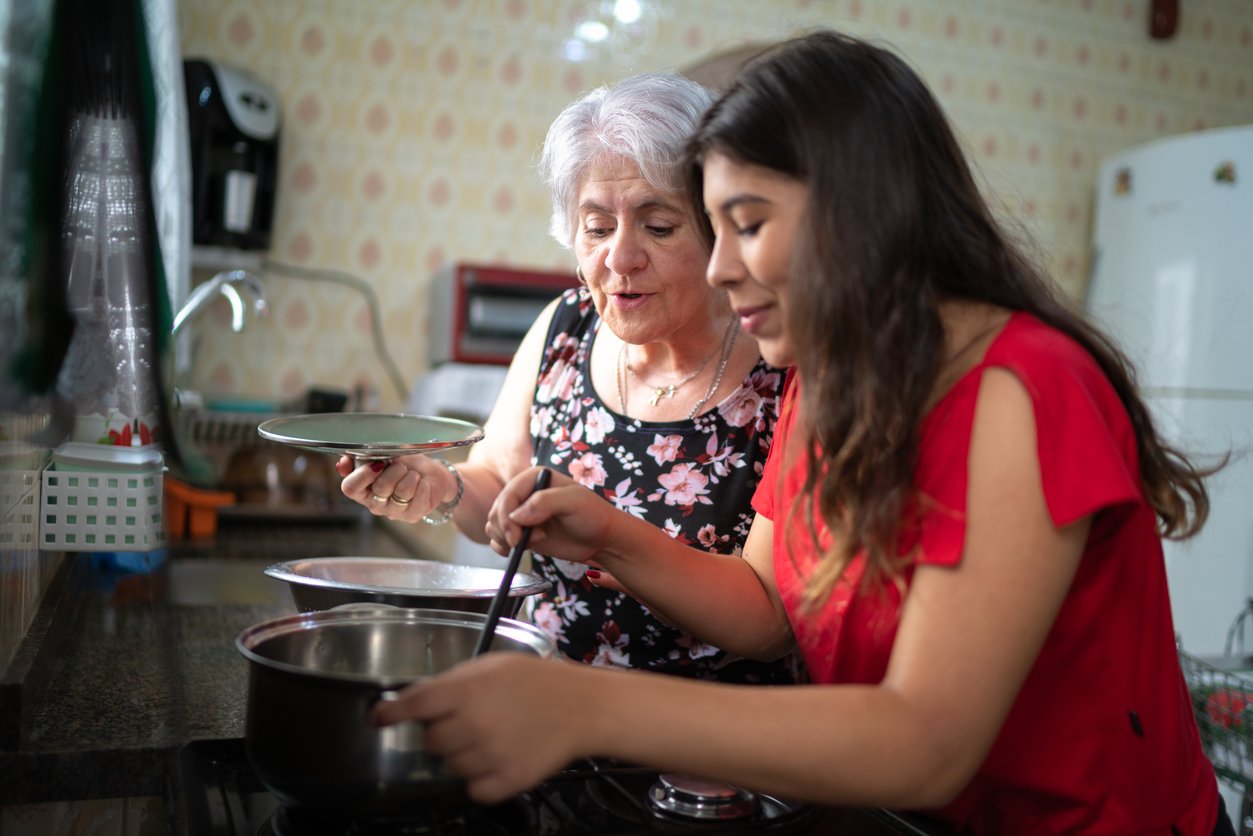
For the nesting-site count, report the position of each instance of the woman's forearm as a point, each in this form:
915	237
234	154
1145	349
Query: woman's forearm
505	722
480	487
797	742
717	598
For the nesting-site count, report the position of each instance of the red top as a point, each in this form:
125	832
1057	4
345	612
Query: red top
1101	738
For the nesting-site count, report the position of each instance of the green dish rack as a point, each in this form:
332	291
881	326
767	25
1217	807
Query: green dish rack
1222	698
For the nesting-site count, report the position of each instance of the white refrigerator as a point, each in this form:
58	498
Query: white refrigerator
1172	279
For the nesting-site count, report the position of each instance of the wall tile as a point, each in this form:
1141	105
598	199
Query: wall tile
412	129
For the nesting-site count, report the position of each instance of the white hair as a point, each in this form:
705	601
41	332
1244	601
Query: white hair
644	118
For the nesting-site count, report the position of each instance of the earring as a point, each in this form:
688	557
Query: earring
578	273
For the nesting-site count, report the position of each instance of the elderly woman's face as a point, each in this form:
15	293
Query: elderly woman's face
641	253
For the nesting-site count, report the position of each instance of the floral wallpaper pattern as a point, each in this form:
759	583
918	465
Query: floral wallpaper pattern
411	128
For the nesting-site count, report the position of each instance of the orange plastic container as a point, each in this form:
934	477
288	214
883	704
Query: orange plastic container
192	513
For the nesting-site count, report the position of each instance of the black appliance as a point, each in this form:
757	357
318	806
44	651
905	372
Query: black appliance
216	793
233	119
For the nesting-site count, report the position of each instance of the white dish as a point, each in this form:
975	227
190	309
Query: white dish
82	455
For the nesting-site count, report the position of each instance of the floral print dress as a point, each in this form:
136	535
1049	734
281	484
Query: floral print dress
694	479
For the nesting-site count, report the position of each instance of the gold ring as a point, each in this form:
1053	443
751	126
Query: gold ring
400	501
381	499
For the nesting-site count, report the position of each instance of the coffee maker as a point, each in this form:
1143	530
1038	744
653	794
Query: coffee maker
233	119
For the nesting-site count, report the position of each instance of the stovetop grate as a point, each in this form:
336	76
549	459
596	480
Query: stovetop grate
214	792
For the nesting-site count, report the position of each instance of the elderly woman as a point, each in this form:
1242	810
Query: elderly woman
639	385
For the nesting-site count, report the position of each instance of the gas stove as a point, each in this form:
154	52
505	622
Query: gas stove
216	793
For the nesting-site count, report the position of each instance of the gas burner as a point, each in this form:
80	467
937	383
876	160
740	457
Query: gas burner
670	803
700	800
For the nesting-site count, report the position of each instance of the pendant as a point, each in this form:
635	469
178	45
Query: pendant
659	393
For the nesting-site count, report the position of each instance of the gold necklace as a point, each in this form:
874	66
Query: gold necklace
662	392
733	334
952	367
667	390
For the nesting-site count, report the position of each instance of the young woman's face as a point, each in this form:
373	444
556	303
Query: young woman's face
756	214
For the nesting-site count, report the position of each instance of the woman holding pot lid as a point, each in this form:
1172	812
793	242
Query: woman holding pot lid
639	386
959	523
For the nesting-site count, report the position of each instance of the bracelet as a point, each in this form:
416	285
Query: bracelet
442	513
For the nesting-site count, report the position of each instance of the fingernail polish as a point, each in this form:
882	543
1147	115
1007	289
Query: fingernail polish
593	574
377	467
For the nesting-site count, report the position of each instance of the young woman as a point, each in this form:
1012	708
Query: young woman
959	523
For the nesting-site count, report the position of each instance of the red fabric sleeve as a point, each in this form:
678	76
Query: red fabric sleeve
1084	439
1087	448
765	497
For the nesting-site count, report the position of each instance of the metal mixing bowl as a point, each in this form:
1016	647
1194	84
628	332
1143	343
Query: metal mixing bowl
320	583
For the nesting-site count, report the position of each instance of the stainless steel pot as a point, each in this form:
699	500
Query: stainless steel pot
320	583
312	679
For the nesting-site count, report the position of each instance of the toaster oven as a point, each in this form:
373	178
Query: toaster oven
480	313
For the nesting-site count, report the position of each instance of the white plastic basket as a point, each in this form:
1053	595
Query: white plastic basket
101	510
19	509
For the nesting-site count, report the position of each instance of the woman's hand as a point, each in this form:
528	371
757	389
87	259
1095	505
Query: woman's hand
503	721
567	520
405	489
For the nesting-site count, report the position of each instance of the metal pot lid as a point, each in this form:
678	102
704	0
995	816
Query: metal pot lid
696	798
370	435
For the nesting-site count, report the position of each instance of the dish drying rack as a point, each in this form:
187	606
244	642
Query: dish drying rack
1222	699
219	435
218	432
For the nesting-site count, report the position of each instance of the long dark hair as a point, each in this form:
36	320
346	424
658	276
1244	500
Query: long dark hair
895	225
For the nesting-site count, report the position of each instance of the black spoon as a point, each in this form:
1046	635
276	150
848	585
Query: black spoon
506	583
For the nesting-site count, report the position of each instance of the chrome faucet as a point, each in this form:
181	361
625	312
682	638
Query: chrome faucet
225	283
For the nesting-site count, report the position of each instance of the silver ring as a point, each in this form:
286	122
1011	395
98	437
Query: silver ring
381	499
400	501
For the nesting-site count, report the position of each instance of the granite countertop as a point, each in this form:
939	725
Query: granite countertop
121	667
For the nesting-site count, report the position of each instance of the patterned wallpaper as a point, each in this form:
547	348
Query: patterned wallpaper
412	126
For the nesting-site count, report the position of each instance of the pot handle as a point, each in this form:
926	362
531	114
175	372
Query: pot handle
407	736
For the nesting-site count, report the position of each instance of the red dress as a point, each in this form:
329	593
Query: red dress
1101	738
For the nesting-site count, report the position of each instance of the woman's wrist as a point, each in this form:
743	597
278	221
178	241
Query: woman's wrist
443	512
628	541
